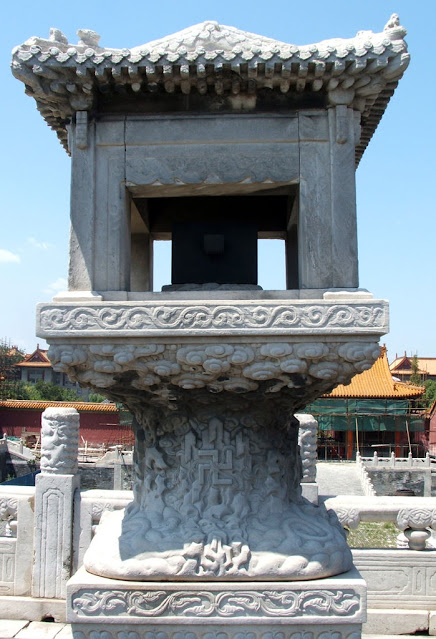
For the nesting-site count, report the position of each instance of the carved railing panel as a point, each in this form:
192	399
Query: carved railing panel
16	539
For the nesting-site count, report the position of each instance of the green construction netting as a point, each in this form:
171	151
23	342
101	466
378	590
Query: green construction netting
371	415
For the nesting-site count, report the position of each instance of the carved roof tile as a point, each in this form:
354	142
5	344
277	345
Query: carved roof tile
64	78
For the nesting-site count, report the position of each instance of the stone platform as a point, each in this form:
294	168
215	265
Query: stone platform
205	609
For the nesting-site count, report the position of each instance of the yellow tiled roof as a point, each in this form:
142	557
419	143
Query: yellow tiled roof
426	365
25	364
377	382
80	406
37	359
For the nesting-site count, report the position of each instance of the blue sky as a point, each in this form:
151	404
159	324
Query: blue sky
395	179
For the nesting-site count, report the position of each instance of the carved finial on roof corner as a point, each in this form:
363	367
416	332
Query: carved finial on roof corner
88	37
393	28
56	35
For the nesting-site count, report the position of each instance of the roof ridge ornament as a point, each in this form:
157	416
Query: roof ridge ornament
393	28
89	38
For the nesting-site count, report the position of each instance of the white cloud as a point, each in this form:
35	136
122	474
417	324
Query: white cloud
60	284
7	256
39	245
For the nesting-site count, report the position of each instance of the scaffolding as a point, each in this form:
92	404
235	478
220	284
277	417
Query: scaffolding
346	426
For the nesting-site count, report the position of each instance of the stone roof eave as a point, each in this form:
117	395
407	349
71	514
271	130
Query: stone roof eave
361	72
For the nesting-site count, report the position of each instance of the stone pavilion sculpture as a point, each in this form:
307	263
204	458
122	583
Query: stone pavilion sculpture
213	138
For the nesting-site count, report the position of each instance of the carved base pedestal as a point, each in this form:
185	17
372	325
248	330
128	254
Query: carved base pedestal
100	608
218	498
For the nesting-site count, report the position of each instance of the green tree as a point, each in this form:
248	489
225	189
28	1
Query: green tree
430	392
10	384
46	391
415	377
96	398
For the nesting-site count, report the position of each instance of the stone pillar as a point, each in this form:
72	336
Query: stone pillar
327	236
82	149
54	495
112	210
100	212
343	130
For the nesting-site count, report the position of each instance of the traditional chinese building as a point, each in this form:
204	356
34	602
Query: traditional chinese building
402	367
372	413
36	367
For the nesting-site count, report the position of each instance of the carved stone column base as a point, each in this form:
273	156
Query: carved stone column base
106	608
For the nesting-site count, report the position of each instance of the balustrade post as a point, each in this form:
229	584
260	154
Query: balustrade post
54	496
393	460
416	524
375	459
307	441
410	460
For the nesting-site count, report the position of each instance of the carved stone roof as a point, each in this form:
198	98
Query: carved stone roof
210	58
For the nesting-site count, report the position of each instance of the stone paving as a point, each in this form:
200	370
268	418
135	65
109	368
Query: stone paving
338	478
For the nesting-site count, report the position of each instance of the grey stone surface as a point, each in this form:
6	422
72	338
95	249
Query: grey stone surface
338	479
389	481
143	631
218	501
53	533
335	600
388	622
16	544
205	317
184	385
40	630
310	492
307	441
55	488
32	608
432	623
10	627
398	580
59	441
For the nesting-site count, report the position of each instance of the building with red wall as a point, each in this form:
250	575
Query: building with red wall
99	423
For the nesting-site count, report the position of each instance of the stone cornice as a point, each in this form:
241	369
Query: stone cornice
361	72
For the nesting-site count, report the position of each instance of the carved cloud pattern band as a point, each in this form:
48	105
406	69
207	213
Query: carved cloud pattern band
273	604
301	318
